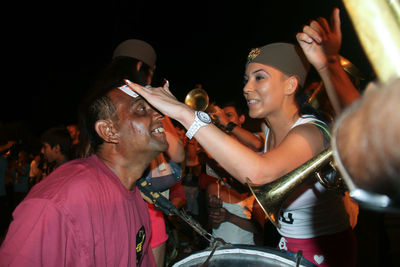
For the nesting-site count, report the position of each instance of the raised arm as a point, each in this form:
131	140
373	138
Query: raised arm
240	161
321	43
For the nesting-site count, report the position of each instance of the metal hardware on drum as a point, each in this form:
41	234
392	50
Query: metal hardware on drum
169	209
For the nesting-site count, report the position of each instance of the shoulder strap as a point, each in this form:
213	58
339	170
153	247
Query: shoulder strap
323	127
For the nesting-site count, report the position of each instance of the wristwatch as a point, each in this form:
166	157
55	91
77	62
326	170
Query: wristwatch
230	126
201	119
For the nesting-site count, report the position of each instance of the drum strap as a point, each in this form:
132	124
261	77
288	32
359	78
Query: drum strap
168	208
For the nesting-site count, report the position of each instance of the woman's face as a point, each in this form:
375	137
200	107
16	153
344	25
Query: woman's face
264	89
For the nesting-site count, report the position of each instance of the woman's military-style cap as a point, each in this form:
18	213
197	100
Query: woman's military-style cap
286	57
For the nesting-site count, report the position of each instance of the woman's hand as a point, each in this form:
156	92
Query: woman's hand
161	99
321	41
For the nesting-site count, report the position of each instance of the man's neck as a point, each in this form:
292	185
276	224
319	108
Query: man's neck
127	171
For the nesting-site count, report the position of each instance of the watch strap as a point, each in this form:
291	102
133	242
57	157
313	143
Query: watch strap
230	126
196	125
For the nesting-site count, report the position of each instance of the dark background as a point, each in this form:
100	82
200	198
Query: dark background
53	50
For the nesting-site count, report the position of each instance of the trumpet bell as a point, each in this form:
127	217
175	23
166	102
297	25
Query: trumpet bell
197	99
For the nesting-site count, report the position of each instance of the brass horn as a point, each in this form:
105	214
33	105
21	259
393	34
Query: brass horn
271	196
197	99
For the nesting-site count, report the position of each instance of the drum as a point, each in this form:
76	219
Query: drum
242	256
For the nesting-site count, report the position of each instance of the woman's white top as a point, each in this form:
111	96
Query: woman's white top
311	210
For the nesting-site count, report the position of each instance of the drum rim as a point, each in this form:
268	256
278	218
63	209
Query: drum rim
266	252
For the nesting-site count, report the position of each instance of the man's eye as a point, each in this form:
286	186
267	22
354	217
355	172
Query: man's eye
141	108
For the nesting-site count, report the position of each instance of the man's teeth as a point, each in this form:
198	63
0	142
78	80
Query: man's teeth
159	130
251	101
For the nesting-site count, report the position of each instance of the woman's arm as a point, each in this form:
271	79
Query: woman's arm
301	144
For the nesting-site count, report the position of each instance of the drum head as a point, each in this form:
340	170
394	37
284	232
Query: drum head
242	256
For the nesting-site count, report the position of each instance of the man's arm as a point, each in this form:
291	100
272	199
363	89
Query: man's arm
244	136
218	214
6	146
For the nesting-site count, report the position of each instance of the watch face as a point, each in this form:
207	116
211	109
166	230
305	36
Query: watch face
204	117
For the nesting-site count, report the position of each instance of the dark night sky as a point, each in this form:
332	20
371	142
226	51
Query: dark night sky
54	50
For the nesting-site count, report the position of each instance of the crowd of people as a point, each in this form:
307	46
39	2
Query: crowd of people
26	162
74	199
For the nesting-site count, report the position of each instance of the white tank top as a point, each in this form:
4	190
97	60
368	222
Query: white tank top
232	233
312	210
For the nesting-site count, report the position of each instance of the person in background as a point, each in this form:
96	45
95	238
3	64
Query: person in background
5	213
231	118
234	214
35	173
74	132
56	147
6	146
19	170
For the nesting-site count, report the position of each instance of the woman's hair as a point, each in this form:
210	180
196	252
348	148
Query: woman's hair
305	107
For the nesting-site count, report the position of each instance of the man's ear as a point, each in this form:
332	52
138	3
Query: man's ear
106	131
291	85
242	118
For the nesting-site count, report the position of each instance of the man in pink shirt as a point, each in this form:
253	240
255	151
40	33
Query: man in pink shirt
89	212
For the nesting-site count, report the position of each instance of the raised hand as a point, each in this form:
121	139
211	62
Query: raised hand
321	40
160	98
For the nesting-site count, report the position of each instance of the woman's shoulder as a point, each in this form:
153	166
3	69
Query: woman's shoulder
308	134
